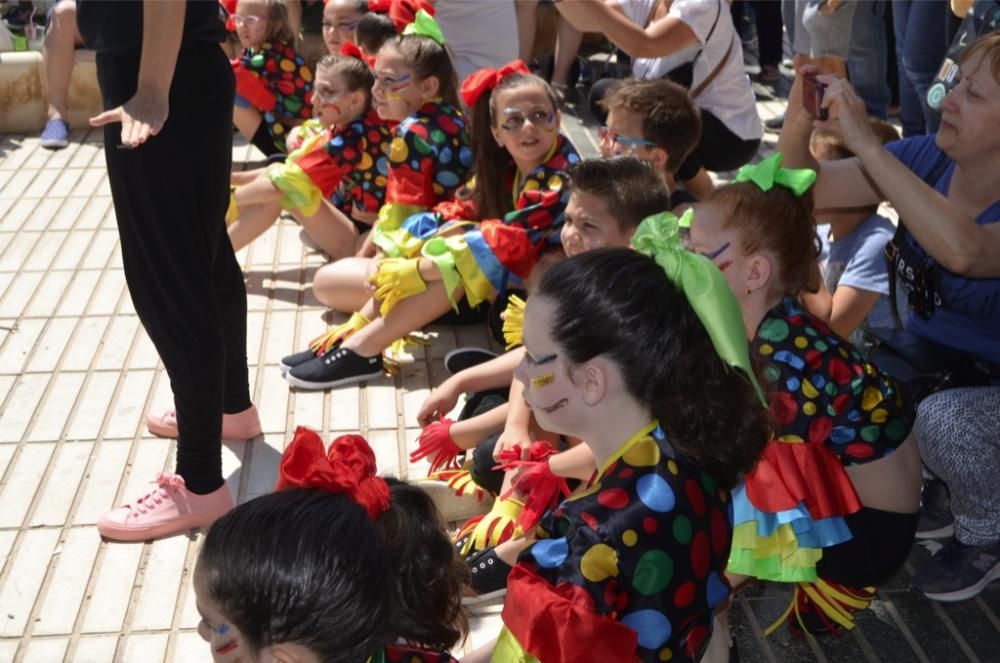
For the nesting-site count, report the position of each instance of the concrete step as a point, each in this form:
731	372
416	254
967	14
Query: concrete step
23	101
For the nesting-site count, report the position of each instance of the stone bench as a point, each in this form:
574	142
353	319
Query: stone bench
23	104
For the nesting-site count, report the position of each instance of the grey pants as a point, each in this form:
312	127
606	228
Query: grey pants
959	435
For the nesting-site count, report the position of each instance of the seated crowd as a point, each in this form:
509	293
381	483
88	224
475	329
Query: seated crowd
704	385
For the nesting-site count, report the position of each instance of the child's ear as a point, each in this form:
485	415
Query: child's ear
359	98
659	158
430	87
759	272
592	381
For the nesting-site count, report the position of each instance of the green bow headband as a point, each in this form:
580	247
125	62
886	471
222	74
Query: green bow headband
769	172
425	26
703	285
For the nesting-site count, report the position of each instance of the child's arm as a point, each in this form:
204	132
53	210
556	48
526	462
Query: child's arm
850	308
574	463
517	428
819	303
470	432
493	374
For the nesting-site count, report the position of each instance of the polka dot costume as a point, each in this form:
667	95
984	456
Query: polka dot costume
629	570
348	162
429	158
277	82
832	409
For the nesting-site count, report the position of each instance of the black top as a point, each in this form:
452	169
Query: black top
116	25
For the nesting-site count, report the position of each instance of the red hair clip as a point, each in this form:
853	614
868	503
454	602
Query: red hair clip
352	50
485	80
348	468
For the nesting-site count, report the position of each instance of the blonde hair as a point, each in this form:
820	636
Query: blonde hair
988	46
278	27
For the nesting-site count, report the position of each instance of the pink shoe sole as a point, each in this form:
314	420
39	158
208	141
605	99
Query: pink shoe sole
174	513
240	426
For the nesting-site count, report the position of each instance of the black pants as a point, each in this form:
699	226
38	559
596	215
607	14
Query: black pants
718	150
170	196
879	545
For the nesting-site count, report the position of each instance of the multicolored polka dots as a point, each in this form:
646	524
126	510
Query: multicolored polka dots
825	392
654	561
276	80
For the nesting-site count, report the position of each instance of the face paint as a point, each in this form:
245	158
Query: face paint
542	380
224	629
400	84
516	120
712	255
225	649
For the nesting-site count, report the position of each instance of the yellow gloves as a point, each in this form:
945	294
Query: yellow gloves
395	280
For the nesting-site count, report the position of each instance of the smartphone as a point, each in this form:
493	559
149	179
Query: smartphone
812	97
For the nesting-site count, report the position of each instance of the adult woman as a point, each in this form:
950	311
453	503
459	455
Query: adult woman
946	188
662	37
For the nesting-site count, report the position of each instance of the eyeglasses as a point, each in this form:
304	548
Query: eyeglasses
343	26
249	21
627	144
539	118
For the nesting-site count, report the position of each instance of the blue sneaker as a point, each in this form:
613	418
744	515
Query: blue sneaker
55	135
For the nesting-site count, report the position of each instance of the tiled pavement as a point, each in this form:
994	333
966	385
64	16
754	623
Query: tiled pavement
78	374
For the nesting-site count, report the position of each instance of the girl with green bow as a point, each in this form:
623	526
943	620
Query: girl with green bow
641	354
832	503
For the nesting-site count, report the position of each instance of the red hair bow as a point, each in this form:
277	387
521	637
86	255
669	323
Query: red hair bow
348	468
479	82
230	8
352	50
402	12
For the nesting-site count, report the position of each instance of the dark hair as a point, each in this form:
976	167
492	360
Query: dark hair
630	187
373	31
492	165
278	26
428	577
620	304
310	567
356	74
428	58
777	221
669	116
832	145
302	566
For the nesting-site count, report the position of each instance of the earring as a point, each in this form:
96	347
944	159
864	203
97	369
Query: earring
749	291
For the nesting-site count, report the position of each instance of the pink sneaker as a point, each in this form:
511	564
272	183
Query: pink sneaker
243	425
169	509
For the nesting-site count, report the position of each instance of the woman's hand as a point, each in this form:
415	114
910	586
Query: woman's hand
441	401
848	116
142	116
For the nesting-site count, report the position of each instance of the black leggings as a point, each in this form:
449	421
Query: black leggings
718	150
880	542
170	196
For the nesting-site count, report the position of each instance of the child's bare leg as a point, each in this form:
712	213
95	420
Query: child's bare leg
252	223
468	432
341	285
330	229
247	120
408	315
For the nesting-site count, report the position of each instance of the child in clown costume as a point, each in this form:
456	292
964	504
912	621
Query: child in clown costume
642	354
437	260
832	504
273	83
348	159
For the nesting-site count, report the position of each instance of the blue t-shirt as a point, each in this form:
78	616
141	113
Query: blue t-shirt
858	260
967	310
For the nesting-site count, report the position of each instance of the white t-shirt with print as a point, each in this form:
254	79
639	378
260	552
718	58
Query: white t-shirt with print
729	96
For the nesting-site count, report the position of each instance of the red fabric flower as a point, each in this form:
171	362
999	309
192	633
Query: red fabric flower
348	468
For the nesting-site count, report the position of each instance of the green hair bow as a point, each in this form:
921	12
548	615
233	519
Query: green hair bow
425	26
769	172
703	285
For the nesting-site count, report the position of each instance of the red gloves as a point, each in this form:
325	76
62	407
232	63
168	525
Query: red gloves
537	485
435	442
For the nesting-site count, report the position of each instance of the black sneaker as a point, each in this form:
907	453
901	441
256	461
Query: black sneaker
289	362
936	521
460	359
489	576
957	572
337	367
